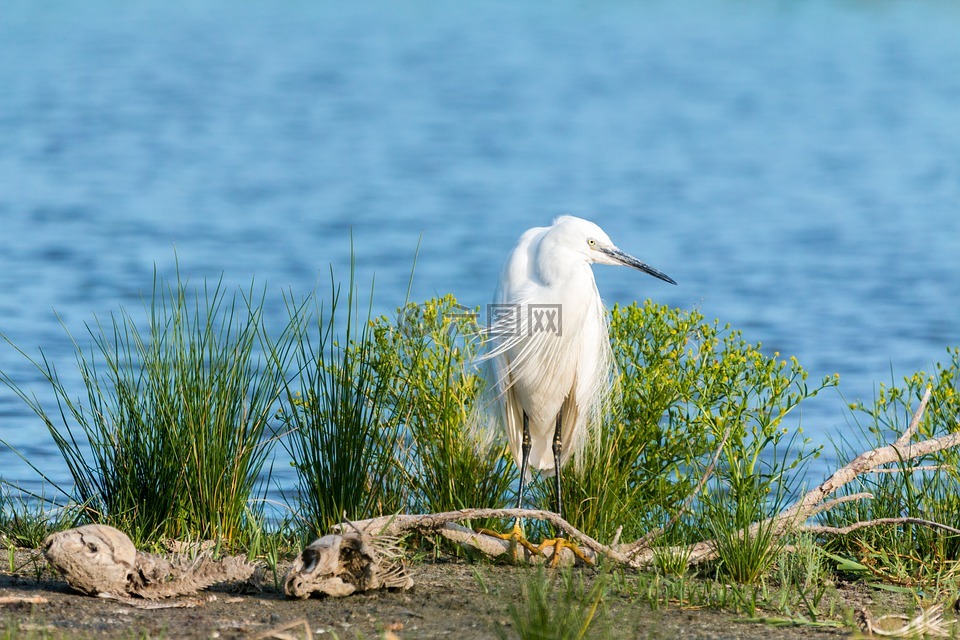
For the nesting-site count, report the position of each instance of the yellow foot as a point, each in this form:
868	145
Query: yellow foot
516	537
559	544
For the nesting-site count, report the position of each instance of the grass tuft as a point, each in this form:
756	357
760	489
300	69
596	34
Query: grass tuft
170	437
560	605
23	520
341	435
927	488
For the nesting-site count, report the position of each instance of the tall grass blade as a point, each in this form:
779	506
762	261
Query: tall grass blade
168	439
342	437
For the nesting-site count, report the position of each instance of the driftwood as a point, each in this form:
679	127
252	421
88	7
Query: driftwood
929	623
640	553
23	600
339	565
99	560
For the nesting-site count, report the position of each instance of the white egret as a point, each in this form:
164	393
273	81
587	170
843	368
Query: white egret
549	349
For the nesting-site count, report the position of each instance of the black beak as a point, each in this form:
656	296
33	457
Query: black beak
629	261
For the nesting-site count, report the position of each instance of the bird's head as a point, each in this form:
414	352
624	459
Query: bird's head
589	240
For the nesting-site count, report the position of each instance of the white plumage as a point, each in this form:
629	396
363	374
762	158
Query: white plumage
559	371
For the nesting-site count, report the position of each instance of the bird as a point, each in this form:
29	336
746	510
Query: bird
550	363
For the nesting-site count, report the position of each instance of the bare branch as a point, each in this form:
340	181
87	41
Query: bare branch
830	504
930	467
865	463
440	523
639	553
813	503
904	439
875	523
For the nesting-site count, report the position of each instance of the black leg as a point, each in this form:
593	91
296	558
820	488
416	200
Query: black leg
557	446
517	536
524	460
560	542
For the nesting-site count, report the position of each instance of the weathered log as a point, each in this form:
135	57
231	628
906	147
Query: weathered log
640	552
99	560
339	565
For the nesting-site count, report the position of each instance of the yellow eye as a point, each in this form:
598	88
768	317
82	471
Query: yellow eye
591	242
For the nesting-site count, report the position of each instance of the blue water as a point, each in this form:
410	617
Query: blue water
794	166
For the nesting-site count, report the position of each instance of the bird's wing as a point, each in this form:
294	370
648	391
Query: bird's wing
573	438
512	416
593	387
513	357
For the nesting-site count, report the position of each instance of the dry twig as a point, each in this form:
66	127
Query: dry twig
874	523
297	630
23	600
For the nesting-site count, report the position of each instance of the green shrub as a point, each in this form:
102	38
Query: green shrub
429	353
683	384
